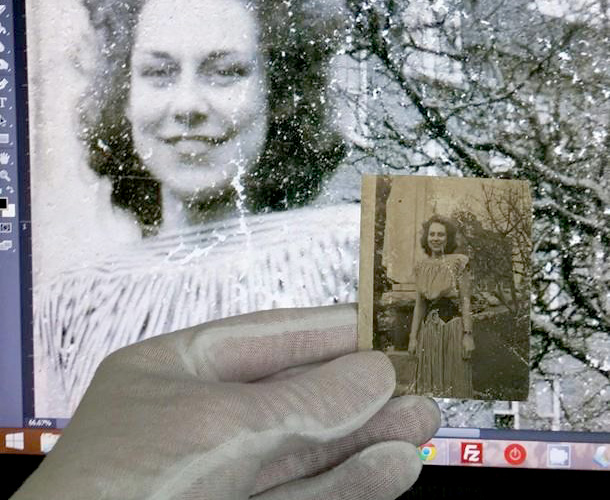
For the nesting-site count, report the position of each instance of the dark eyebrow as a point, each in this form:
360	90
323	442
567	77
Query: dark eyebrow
218	54
159	54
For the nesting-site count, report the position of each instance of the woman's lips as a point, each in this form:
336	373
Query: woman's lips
206	139
193	145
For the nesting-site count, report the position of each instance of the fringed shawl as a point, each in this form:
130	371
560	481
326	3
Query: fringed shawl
300	258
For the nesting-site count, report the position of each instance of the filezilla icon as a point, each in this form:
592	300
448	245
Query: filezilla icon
472	453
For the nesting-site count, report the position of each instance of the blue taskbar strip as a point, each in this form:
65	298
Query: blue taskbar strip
10	241
15	234
25	219
523	435
547	436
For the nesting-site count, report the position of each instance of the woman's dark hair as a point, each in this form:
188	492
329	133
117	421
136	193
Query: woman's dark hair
302	147
450	227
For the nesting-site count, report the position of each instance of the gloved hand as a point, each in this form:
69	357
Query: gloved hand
268	405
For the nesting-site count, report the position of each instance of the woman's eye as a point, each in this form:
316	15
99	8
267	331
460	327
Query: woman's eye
227	74
160	75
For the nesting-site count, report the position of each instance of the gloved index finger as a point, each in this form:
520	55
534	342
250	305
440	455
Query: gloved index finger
252	346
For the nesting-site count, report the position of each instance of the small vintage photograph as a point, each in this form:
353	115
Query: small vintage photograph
445	269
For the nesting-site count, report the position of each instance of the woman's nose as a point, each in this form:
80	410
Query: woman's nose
190	106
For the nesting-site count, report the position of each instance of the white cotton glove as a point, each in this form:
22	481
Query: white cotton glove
267	405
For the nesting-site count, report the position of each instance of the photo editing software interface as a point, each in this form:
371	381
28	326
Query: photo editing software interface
553	429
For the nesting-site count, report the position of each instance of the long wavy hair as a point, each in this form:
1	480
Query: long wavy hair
302	147
451	229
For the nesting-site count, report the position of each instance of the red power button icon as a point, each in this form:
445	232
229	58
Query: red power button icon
515	454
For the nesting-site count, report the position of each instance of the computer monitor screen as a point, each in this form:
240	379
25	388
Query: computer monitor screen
155	175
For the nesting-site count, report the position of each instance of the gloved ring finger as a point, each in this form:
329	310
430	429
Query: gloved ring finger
412	419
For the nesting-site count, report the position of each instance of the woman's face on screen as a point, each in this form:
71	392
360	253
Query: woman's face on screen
197	101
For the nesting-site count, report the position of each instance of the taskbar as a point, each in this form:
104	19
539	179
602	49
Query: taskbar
467	449
28	441
526	454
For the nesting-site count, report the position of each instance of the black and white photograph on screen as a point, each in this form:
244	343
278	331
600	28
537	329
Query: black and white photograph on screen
445	283
204	126
180	179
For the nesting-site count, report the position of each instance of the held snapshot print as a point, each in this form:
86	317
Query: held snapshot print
445	283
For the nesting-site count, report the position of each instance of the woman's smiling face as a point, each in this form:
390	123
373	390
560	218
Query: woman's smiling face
437	238
197	101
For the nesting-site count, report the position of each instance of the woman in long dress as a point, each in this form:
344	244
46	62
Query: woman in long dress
208	118
441	330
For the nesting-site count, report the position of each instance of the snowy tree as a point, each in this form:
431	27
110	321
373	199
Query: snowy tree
510	89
